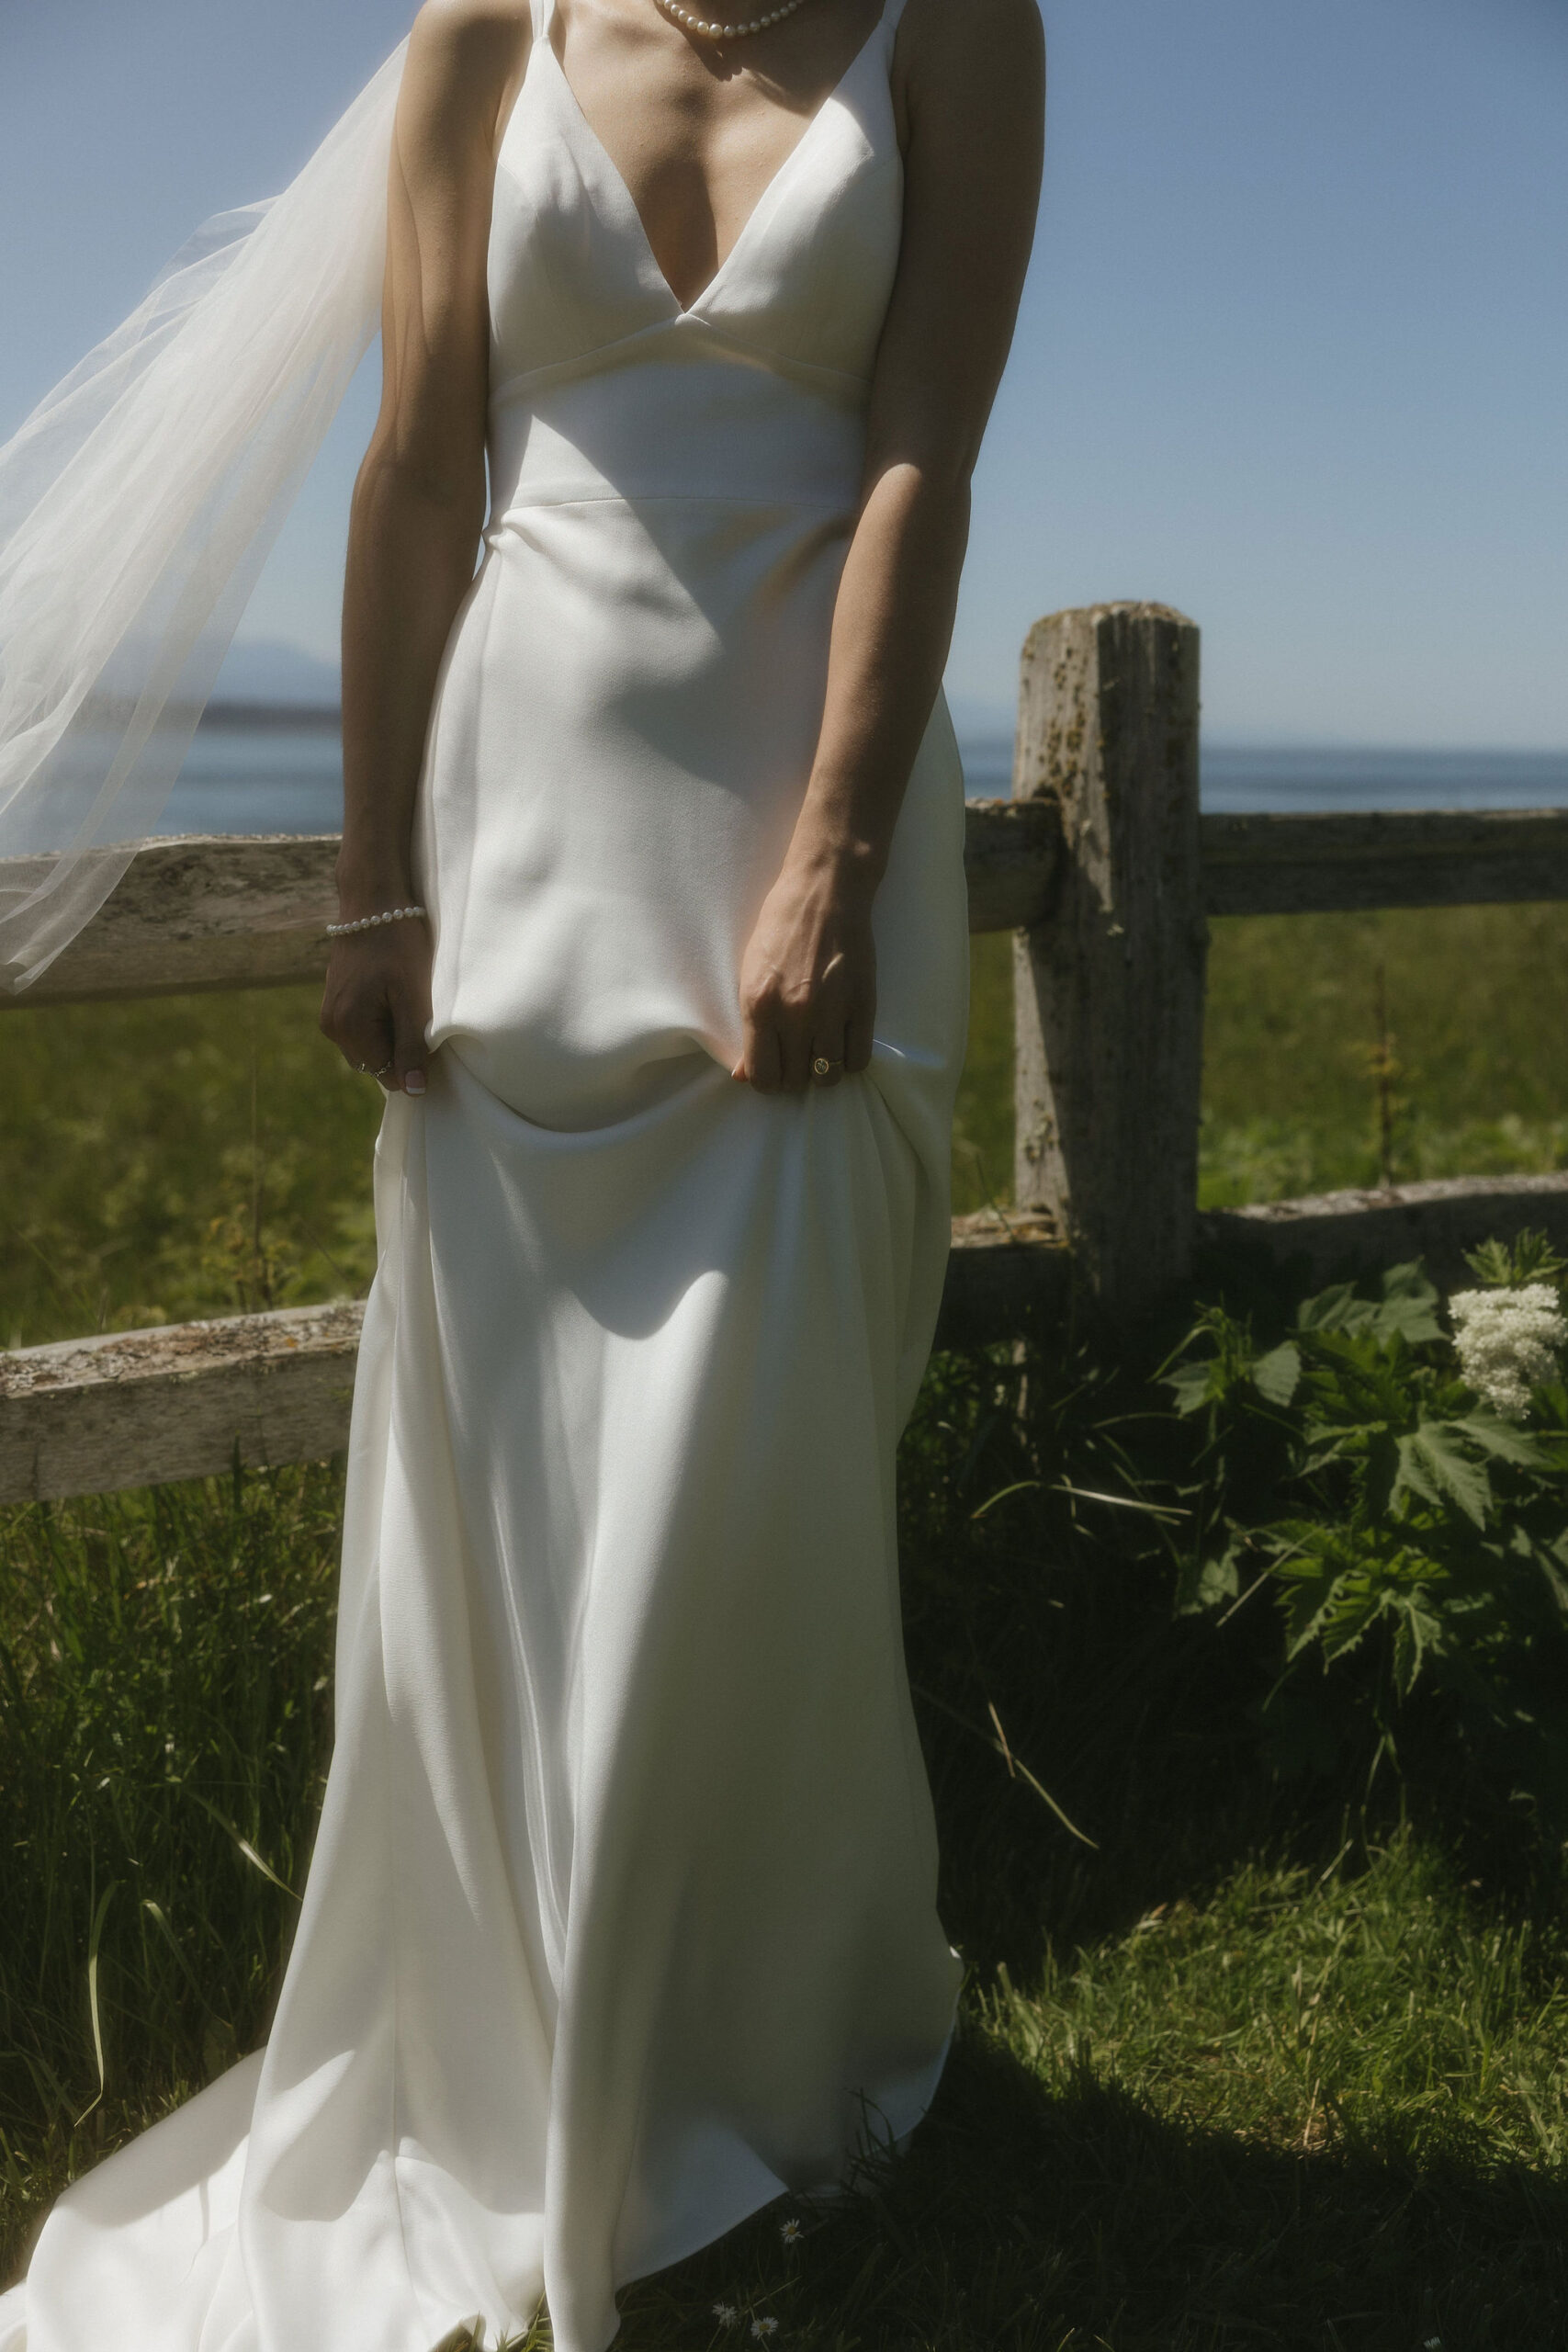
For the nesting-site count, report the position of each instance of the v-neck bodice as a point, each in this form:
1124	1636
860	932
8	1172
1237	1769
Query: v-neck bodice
593	352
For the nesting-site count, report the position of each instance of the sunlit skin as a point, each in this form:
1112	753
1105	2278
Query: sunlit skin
697	132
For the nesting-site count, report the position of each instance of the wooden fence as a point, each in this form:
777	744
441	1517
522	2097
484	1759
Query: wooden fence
1105	871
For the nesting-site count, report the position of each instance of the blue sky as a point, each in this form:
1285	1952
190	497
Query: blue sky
1294	353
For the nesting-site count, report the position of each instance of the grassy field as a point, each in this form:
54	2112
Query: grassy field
178	1158
1479	1058
1241	2062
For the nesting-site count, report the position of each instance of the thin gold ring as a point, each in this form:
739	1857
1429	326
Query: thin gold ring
822	1067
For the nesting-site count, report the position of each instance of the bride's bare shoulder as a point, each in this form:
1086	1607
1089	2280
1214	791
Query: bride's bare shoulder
467	24
466	57
994	42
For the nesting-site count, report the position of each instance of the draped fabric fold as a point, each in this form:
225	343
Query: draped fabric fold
138	504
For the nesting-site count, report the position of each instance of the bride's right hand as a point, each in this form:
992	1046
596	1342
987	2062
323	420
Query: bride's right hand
375	1007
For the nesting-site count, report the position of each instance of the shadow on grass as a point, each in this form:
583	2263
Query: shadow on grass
1023	2219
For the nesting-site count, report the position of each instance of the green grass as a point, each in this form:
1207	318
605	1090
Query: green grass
177	1157
164	1672
1258	2064
1481	1083
982	1123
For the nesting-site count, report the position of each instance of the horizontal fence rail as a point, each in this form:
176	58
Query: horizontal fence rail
247	910
1105	870
1424	857
135	1409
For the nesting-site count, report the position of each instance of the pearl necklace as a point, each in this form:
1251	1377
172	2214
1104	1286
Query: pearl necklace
688	19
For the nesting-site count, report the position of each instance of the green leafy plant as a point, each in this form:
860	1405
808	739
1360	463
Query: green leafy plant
1415	1540
1505	1266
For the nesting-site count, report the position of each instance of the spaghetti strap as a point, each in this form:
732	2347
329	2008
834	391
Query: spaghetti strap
541	11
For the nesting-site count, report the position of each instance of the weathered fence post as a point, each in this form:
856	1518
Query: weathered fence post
1109	986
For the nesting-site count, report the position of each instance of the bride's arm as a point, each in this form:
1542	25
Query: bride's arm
418	505
974	91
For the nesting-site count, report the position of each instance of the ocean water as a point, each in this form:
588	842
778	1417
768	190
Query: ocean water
1240	780
287	778
259	779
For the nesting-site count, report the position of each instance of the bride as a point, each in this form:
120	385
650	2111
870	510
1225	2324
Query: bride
621	1917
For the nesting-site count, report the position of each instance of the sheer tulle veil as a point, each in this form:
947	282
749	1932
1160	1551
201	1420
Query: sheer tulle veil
138	504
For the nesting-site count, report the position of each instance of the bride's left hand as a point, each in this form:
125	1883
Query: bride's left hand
808	980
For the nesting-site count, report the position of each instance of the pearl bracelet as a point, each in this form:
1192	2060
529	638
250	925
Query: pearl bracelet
368	923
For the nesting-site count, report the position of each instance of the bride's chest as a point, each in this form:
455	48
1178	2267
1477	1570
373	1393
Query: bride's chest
805	282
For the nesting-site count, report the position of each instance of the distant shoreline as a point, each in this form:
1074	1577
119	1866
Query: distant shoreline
261	766
267	716
275	718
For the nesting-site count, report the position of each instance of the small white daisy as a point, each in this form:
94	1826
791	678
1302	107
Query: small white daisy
726	2315
790	2231
764	2327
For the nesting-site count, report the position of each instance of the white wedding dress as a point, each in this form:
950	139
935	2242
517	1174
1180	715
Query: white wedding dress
621	1916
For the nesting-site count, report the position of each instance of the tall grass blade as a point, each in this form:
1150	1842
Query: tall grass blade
160	1919
244	1844
1015	1764
93	1943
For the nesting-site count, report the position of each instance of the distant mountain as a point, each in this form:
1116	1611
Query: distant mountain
268	670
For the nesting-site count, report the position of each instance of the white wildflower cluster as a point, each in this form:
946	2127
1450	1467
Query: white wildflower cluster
1507	1341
